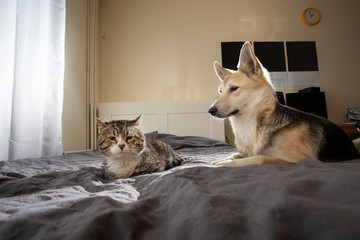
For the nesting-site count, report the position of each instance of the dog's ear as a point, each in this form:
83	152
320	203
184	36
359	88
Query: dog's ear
220	71
248	63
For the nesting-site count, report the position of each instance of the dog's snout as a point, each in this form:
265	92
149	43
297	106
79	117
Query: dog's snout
213	110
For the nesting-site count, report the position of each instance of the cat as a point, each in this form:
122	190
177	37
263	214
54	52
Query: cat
127	153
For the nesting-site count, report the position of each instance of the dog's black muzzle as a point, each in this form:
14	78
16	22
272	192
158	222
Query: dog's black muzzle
213	110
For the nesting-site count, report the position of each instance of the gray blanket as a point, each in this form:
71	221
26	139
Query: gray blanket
67	198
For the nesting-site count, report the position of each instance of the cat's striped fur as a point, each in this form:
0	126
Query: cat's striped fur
128	153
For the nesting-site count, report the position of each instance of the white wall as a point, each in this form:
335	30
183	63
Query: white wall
74	108
155	50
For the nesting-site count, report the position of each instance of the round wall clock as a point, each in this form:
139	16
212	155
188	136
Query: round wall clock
310	16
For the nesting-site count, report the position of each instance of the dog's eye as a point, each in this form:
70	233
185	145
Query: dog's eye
220	91
233	88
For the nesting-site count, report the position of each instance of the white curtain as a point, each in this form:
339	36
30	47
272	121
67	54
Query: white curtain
32	40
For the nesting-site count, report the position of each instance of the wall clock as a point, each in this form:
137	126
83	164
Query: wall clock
310	16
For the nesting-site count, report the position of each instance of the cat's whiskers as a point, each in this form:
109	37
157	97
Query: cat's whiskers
141	152
131	154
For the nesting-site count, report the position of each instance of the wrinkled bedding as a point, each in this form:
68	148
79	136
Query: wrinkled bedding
67	197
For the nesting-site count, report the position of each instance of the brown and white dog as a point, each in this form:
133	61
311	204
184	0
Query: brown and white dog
267	131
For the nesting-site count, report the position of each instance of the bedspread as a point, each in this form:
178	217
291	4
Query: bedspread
67	197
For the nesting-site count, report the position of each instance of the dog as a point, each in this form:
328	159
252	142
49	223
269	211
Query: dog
267	131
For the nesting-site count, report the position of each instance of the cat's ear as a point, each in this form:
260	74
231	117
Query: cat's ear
137	120
100	123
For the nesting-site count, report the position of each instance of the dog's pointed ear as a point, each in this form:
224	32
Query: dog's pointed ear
248	63
220	71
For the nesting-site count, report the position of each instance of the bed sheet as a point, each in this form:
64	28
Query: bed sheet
67	197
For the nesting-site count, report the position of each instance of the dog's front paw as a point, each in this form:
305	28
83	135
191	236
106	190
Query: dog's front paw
216	162
228	162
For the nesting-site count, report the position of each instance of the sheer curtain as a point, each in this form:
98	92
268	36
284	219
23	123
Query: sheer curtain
32	40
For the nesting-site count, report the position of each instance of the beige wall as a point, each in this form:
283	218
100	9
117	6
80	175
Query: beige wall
74	107
159	50
155	50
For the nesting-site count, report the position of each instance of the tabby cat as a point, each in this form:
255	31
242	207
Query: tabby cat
127	153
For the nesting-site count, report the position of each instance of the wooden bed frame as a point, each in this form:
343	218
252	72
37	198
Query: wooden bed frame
182	118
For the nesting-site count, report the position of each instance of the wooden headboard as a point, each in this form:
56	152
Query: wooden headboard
182	118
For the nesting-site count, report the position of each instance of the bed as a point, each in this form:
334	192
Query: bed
67	197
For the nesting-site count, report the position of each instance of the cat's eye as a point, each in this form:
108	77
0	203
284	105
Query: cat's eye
112	138
129	138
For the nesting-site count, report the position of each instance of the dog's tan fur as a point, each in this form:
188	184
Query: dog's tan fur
265	131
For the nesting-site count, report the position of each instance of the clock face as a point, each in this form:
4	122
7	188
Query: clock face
311	16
